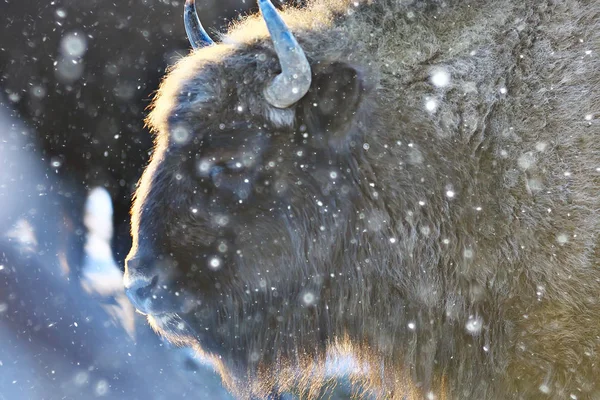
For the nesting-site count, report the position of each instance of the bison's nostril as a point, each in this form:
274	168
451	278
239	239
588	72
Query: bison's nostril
140	293
146	291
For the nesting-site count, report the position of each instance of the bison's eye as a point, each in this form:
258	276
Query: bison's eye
231	177
235	165
215	173
231	161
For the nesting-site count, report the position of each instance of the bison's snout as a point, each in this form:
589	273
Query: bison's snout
149	289
140	292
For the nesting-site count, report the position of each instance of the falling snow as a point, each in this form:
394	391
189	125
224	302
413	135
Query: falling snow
214	263
82	78
474	325
562	238
440	78
308	298
431	105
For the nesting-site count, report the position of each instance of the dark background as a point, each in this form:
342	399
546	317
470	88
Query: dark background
85	106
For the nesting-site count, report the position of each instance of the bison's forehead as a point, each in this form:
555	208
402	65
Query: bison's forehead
215	86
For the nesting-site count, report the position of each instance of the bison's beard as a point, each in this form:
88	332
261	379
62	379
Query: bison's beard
289	364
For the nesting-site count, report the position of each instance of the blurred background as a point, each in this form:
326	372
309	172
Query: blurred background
75	79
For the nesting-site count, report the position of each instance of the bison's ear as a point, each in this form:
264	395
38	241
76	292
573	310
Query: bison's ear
331	104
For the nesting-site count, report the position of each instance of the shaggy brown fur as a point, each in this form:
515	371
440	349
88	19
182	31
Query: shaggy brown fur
443	232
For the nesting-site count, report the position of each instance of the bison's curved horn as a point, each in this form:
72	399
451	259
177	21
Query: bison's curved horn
193	27
294	80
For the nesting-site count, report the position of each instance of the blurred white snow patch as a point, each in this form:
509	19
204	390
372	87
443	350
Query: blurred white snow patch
60	13
474	325
98	213
431	105
69	66
23	234
544	388
526	160
440	77
68	70
73	44
101	276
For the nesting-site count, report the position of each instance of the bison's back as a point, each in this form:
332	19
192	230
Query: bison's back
498	104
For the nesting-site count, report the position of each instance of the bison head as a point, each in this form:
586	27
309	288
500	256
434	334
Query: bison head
242	221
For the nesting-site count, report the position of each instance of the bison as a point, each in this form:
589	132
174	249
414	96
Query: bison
414	184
